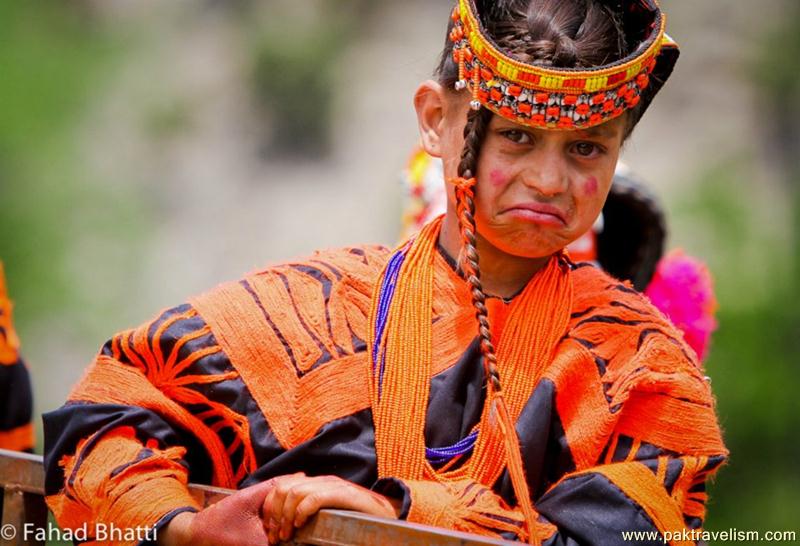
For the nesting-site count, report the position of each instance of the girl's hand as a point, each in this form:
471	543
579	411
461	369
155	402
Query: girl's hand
297	497
235	520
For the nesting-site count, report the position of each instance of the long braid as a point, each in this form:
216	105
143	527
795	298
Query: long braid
474	133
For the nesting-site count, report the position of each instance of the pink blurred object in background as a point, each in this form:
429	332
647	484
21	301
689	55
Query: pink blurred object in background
682	288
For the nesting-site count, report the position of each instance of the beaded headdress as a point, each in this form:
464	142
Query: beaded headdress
564	98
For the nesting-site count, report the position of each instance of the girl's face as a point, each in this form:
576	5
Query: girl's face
537	190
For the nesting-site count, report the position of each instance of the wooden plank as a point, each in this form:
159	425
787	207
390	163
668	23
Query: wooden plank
13	518
344	528
22	471
22	477
22	485
20	508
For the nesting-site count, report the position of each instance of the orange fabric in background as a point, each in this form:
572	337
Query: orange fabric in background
9	342
17	439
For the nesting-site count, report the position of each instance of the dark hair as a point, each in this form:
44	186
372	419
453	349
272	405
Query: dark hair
553	33
557	33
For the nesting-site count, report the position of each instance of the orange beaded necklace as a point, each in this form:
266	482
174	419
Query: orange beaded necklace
401	347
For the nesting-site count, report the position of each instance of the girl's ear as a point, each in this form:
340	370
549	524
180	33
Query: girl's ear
429	102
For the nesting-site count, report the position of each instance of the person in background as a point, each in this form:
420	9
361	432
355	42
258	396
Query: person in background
16	399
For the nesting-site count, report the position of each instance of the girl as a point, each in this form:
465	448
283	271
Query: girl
474	378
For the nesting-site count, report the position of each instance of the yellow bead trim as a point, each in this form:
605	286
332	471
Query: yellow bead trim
548	79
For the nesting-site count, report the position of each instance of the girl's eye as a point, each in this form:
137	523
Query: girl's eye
586	149
517	136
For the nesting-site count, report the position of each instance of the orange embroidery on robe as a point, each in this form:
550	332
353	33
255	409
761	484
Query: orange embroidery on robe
115	479
139	373
293	333
629	361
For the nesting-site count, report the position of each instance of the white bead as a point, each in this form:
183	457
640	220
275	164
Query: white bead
475	105
461	85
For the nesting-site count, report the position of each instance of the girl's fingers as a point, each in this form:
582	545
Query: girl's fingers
298	492
273	504
266	517
296	498
312	504
342	495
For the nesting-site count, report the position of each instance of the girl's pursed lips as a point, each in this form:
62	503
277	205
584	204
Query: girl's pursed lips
538	212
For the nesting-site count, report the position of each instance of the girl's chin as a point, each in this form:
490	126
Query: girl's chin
527	245
530	252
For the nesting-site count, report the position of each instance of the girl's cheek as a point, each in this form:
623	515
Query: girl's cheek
498	178
590	187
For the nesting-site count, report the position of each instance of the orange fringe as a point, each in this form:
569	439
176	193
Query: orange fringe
460	506
136	496
165	375
109	381
691	467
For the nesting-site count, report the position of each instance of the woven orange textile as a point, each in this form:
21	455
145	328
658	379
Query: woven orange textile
296	399
582	407
675	424
649	372
119	486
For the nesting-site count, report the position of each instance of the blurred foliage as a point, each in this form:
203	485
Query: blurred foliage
755	358
294	74
168	118
53	58
294	79
776	75
42	81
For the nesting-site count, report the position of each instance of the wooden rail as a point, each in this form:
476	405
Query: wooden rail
22	486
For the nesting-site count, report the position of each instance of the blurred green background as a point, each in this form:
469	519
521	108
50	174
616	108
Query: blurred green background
149	150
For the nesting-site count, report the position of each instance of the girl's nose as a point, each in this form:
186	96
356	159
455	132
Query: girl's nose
547	174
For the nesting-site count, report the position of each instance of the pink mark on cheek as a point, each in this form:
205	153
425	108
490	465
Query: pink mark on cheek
590	186
498	178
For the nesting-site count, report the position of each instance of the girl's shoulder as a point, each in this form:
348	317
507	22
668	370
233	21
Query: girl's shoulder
597	294
322	299
359	263
611	318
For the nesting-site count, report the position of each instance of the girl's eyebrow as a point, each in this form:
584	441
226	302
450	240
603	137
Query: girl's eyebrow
603	131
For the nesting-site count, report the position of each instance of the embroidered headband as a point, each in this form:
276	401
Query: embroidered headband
562	98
